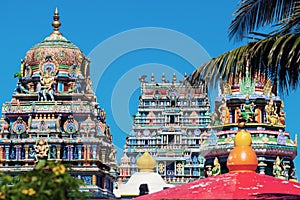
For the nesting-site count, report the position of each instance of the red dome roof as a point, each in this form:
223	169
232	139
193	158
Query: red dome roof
233	185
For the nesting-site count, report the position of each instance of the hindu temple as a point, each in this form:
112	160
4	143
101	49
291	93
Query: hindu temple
171	117
174	124
252	100
54	115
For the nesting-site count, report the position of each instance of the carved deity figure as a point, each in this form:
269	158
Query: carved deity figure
282	114
102	115
88	88
27	71
41	148
47	80
214	119
247	111
216	170
271	115
224	113
47	86
112	155
208	171
277	169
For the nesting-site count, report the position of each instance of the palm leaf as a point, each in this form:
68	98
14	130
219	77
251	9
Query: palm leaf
276	56
254	14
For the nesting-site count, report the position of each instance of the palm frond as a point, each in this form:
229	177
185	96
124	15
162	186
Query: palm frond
254	14
291	24
276	56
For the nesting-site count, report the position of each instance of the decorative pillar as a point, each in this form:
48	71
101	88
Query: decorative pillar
70	152
103	155
6	152
1	153
84	152
58	152
26	152
94	178
79	147
19	152
88	152
94	147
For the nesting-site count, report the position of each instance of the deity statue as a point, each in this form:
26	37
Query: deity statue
112	155
227	89
224	113
214	119
208	171
43	126
246	111
57	123
31	152
27	71
271	115
29	121
277	170
281	114
268	88
53	152
41	148
47	86
88	88
47	80
78	87
102	115
73	71
107	130
216	170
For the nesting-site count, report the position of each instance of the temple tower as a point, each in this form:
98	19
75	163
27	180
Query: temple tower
252	100
169	123
54	115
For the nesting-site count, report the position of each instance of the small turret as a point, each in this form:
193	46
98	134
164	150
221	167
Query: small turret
174	78
163	78
152	78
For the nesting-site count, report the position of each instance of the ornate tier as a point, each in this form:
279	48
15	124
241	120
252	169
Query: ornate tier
53	69
54	115
254	102
169	122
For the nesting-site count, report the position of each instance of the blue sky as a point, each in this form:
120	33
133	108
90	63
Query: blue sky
102	28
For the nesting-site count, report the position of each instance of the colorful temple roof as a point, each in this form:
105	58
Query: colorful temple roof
240	183
253	101
170	119
54	115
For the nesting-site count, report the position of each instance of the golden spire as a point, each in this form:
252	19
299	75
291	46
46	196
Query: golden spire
146	163
56	23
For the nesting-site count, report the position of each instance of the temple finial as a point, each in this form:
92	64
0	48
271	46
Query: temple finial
152	78
56	23
163	78
242	157
174	78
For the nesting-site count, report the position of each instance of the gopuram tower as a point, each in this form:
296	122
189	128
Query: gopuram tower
54	114
253	101
171	117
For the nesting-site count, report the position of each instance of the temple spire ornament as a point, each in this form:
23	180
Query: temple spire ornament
56	23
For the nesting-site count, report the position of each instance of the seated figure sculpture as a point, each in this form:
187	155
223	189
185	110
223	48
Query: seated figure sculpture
216	170
247	112
277	169
41	149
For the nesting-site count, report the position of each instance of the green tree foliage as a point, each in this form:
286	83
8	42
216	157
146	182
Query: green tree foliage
48	181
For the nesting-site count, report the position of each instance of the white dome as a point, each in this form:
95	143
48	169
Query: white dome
131	188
